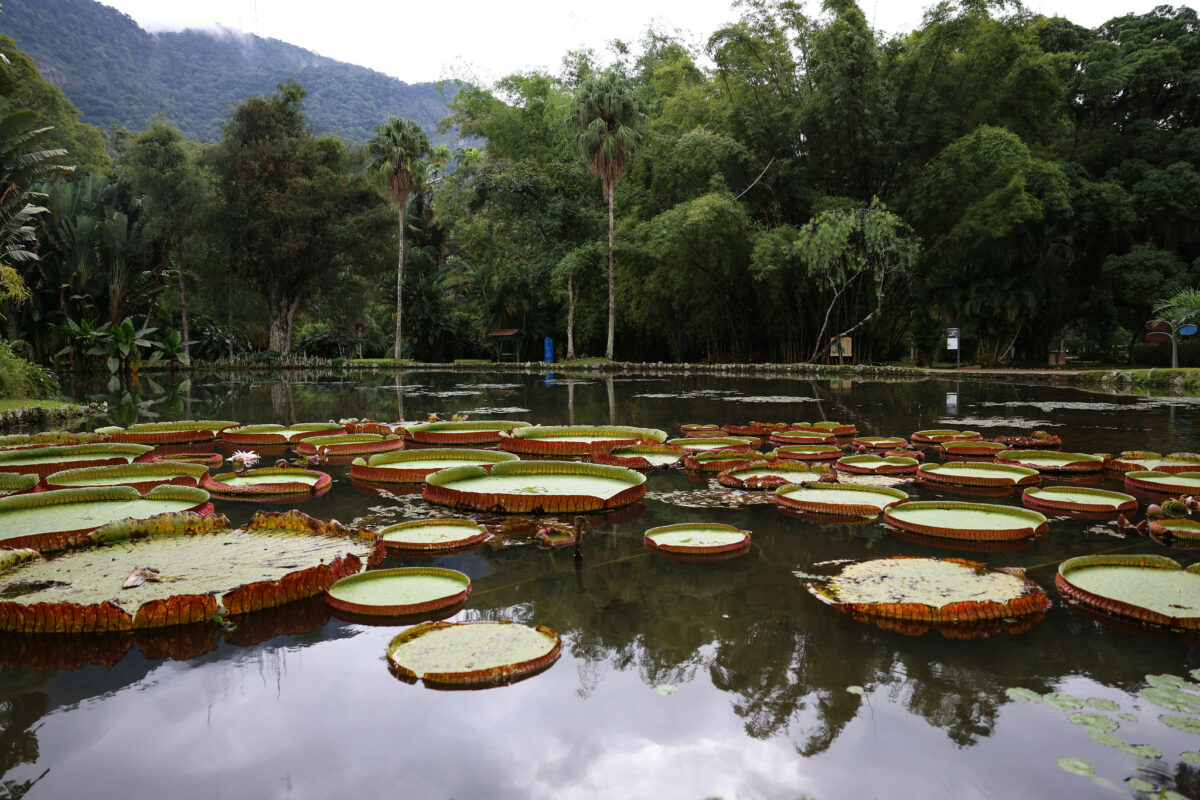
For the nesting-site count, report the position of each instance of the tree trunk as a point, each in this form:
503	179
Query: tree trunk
278	339
162	264
291	319
612	296
183	319
400	287
229	313
570	318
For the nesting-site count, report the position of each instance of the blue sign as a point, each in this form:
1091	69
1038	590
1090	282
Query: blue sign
1188	330
548	355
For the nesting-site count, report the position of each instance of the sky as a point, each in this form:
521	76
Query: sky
483	41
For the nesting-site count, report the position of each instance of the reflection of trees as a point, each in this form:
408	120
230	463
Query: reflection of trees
24	702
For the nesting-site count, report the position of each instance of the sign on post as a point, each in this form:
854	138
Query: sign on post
951	338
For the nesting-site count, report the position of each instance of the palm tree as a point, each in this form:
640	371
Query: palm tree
397	150
607	116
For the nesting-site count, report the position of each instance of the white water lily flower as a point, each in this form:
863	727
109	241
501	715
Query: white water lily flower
247	458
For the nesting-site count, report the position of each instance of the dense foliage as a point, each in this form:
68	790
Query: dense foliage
1025	179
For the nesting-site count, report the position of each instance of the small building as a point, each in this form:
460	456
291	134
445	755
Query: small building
508	343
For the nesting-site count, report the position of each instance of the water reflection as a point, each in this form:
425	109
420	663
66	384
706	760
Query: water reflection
677	679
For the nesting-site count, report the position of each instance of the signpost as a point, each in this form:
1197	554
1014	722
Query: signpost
952	344
1164	331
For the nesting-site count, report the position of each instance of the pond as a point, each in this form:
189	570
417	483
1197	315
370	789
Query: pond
677	680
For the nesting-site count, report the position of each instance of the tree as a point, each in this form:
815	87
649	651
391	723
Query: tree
607	116
397	150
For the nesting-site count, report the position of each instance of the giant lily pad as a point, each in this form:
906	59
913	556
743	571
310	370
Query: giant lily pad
141	476
875	465
16	483
719	460
461	433
267	481
279	434
768	474
1146	588
45	460
412	466
970	474
838	499
48	438
696	429
802	437
429	536
46	520
836	428
803	452
348	444
472	654
1184	531
640	456
755	429
972	521
397	592
1165	482
1044	461
879	442
536	487
939	435
697	539
181	432
176	569
701	444
960	448
950	591
1145	461
1079	499
576	440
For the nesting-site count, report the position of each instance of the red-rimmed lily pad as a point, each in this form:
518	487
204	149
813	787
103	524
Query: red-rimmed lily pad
182	432
1079	499
1183	532
879	442
1146	461
701	444
876	465
48	438
348	444
576	440
1164	482
804	452
640	456
1045	461
1037	439
462	432
399	592
970	521
939	435
839	499
267	481
768	474
805	436
971	448
962	473
274	434
16	483
472	655
413	466
708	539
936	592
697	429
45	460
430	536
210	460
48	520
142	476
176	569
536	487
1150	589
719	460
836	428
756	429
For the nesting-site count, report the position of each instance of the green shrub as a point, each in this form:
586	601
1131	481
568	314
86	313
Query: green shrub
19	379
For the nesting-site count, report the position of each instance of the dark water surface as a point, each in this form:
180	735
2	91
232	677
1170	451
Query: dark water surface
677	680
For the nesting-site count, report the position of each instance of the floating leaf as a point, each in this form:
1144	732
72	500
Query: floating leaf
1102	704
1106	739
1128	717
1186	724
1195	674
1076	766
1172	699
1188	755
1143	750
1022	695
1094	722
666	689
855	690
1063	702
396	592
1139	784
1167	681
472	653
1170	795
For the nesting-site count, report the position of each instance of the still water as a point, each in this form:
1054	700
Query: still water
677	680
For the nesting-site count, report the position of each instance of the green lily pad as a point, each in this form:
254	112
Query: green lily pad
1168	681
1063	702
1195	674
1185	724
1143	750
1102	704
1094	722
1022	695
666	689
1172	699
1139	784
1128	717
1189	755
855	690
1106	739
1076	766
472	654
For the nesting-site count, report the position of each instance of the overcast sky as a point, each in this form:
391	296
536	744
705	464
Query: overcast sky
486	40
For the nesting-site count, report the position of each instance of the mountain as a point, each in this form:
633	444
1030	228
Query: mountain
116	72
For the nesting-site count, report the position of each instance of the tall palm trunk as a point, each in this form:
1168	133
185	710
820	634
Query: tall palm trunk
183	309
400	286
612	295
570	318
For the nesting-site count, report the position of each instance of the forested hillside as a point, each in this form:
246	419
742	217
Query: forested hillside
115	72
